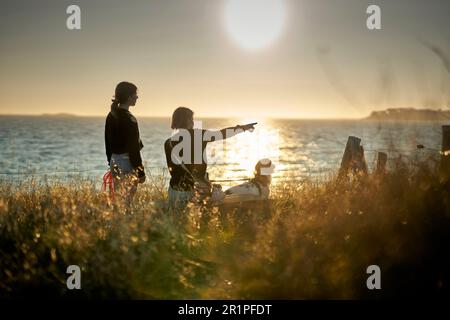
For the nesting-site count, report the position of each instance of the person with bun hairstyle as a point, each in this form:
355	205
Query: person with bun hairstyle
122	142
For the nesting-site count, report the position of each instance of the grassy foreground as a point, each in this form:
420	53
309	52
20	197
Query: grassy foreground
314	240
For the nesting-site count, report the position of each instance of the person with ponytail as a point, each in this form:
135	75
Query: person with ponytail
122	142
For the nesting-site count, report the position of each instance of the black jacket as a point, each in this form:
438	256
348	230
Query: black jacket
180	179
122	136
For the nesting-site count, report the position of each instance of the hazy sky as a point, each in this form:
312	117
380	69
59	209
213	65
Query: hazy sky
325	63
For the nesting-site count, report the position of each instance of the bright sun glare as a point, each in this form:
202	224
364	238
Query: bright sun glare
255	24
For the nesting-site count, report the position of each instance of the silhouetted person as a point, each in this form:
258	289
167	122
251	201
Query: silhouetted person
123	144
188	165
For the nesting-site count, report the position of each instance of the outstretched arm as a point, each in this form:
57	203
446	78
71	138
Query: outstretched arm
230	131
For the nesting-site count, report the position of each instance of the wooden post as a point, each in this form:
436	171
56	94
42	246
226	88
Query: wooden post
381	163
353	158
445	152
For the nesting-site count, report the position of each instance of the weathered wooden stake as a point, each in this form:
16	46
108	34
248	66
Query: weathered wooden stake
445	151
381	163
353	158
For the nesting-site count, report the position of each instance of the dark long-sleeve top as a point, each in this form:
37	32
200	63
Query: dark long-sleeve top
182	180
122	136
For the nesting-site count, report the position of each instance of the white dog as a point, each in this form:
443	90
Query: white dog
256	189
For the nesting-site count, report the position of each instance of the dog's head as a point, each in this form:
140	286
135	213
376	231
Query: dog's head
263	171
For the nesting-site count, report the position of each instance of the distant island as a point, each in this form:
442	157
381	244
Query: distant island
409	114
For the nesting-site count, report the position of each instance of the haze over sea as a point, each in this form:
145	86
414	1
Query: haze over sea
53	147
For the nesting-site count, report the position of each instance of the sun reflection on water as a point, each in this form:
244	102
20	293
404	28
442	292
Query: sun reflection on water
236	157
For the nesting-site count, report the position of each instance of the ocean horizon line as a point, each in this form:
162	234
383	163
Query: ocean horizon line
390	114
72	115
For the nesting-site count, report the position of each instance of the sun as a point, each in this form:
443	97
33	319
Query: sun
255	24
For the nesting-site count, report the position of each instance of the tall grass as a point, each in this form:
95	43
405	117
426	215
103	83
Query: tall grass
314	239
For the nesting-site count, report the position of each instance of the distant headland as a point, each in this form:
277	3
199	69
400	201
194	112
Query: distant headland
409	114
